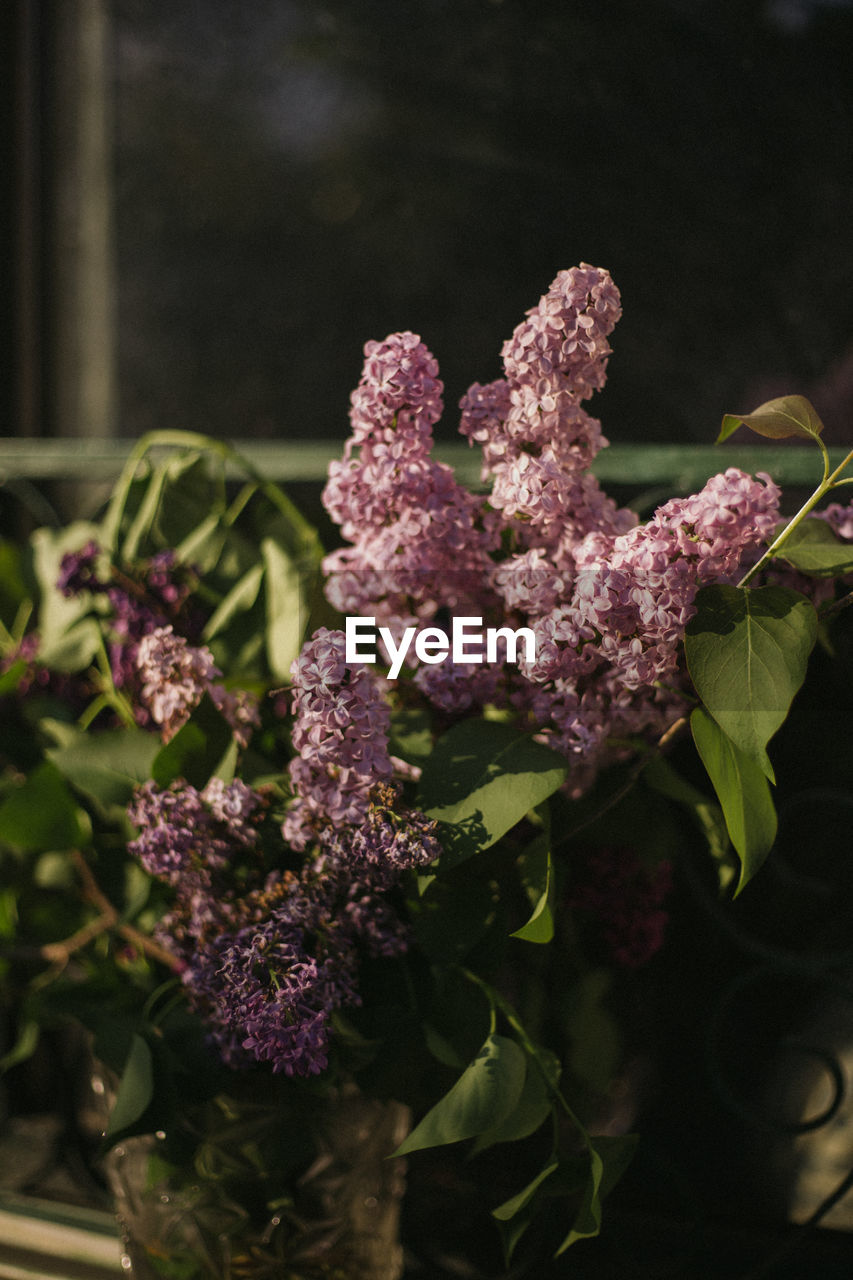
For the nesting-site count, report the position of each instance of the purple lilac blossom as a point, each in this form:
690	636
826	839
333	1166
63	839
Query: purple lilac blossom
267	957
77	571
341	733
839	518
607	598
152	594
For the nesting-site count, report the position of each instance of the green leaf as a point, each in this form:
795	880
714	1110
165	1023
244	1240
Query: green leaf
587	1221
285	608
107	766
196	750
67	639
747	651
660	775
10	677
136	1088
203	545
532	1108
778	419
140	526
520	1201
481	779
441	1049
483	1096
742	790
239	599
449	919
192	491
461	1013
411	734
812	547
595	1040
41	814
608	1160
537	878
14	587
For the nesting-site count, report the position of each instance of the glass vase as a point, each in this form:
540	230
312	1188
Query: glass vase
269	1190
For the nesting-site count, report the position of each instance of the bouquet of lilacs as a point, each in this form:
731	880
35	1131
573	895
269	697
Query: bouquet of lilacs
376	837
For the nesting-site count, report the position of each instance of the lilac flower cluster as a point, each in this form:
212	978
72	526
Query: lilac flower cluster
173	676
538	441
78	571
341	733
417	542
34	675
155	594
608	659
608	599
268	955
185	834
840	519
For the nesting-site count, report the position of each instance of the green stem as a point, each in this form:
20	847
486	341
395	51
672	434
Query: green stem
94	709
110	695
22	618
829	481
496	1000
307	540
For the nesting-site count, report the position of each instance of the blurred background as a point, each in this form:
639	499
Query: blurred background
210	206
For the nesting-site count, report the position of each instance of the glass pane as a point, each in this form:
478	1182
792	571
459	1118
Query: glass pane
297	176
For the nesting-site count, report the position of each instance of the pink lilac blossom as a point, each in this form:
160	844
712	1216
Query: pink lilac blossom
608	599
174	677
418	539
564	338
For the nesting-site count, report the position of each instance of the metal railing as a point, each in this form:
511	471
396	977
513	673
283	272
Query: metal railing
677	466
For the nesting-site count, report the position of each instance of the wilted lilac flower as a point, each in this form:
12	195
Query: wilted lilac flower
385	844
